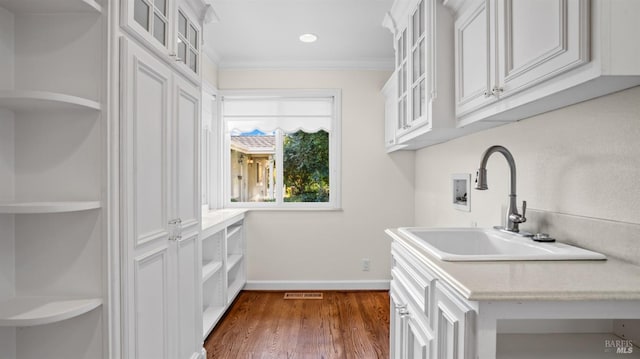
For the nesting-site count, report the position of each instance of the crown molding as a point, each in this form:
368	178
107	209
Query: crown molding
385	64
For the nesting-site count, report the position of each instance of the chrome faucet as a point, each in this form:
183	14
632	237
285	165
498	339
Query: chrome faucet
513	217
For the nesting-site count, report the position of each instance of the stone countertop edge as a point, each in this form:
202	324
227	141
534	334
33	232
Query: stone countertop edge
611	279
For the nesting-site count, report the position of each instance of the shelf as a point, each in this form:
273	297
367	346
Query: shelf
21	101
47	207
559	346
51	6
30	311
233	260
210	269
232	231
234	289
210	317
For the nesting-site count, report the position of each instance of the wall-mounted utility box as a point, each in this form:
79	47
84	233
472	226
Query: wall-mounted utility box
460	191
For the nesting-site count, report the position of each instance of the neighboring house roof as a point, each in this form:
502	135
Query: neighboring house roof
254	144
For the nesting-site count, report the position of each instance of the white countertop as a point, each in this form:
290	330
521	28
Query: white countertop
534	280
220	217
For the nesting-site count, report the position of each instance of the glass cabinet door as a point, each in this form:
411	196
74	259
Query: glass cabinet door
188	42
401	68
418	60
152	16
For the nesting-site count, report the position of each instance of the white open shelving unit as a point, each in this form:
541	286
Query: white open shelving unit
34	101
223	264
14	207
29	311
51	168
236	277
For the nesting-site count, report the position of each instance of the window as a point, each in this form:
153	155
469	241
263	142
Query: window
210	158
281	149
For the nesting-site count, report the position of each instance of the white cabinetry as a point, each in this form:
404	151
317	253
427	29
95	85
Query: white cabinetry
515	59
223	264
411	308
511	60
52	205
536	325
168	28
410	336
503	47
455	327
161	209
428	320
473	69
423	85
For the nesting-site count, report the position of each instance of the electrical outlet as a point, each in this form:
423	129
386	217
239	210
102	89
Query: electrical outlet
366	264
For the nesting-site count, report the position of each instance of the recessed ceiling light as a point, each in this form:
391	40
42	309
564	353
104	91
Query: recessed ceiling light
308	38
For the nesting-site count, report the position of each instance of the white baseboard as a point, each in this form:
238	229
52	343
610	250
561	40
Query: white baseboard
317	285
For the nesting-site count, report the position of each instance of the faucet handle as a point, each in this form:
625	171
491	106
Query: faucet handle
519	218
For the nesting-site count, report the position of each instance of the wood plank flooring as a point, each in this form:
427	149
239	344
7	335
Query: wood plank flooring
264	325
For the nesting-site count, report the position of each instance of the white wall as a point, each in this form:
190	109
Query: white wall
377	190
209	70
582	160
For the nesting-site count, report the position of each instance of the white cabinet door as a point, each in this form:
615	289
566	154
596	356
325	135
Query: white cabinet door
160	139
147	263
402	73
396	327
409	336
538	40
187	139
389	92
418	78
455	327
186	163
474	63
418	339
169	28
188	301
503	47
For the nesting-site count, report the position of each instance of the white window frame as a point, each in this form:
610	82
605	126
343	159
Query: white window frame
335	153
210	151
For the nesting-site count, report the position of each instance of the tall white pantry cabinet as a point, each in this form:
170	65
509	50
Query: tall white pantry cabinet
99	179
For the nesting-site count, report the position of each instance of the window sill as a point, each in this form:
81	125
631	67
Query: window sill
292	209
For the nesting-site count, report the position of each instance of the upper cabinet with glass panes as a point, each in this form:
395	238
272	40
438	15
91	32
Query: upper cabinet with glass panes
168	28
188	46
425	112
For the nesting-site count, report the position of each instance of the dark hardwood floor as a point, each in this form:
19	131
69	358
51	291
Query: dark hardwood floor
263	325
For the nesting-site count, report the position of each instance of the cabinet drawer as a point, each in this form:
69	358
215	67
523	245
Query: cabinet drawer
418	280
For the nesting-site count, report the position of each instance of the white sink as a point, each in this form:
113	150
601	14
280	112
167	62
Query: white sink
475	244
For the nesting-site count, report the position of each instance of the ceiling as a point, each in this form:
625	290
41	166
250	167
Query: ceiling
264	34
